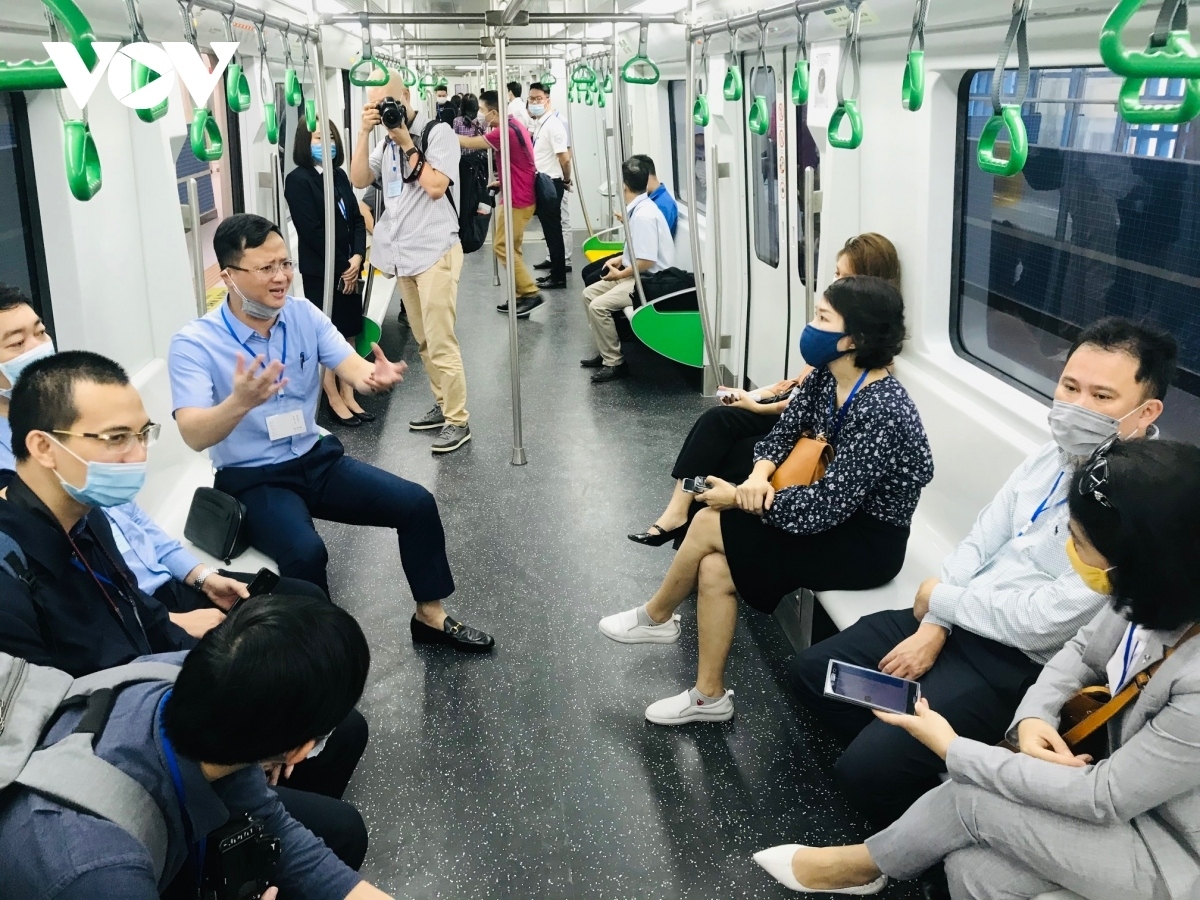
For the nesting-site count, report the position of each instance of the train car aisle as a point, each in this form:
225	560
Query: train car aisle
532	773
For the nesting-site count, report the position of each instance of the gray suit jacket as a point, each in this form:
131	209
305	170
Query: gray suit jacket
1152	777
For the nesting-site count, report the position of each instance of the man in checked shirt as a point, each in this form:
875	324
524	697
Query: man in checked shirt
1007	598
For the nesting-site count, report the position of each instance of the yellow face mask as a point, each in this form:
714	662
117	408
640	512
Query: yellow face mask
1094	577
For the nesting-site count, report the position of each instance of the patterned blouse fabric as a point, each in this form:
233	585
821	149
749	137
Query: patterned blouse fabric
881	462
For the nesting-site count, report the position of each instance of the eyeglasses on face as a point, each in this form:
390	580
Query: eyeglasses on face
287	266
120	441
1093	477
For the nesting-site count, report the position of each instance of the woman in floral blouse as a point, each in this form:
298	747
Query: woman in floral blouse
846	531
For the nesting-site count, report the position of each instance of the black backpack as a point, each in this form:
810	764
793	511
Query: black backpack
472	191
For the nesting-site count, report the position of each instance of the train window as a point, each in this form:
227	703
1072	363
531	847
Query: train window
764	172
681	119
1103	221
22	264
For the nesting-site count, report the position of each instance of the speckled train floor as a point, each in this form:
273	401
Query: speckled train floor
531	773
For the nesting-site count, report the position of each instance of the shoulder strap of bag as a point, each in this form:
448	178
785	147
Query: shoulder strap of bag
1124	697
429	126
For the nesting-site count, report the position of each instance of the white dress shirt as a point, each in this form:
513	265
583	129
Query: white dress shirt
650	234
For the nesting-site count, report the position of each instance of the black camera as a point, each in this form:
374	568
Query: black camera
240	861
392	113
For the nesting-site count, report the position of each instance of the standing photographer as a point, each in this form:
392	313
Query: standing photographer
267	686
416	239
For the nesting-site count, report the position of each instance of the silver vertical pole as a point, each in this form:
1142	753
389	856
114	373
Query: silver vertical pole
514	362
811	199
193	205
326	181
619	102
712	349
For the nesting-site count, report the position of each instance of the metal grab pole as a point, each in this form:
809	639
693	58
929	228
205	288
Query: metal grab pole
514	361
326	182
491	156
812	200
712	349
193	207
619	102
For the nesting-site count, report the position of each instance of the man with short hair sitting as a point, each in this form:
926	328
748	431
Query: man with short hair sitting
652	250
245	382
1008	598
657	191
265	689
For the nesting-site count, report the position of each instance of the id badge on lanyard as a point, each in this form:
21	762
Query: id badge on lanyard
395	185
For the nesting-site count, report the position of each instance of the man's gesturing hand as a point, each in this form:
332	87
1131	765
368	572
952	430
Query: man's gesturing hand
251	390
386	375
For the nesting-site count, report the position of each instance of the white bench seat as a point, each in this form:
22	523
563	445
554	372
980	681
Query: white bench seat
174	471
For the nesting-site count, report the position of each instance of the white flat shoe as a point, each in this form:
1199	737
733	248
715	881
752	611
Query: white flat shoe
778	863
624	628
690	707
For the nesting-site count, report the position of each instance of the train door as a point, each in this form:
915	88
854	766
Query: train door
802	151
767	333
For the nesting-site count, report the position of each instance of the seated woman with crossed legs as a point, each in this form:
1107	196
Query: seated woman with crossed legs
848	530
1016	825
722	440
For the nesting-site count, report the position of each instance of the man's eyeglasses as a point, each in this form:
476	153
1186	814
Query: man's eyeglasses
287	266
1093	477
121	441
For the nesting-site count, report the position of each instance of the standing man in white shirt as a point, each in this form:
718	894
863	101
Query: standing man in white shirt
1008	597
653	250
516	106
552	158
416	239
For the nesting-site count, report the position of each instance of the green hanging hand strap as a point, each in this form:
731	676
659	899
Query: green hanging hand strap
81	159
28	75
847	107
640	69
1139	111
270	119
1169	54
205	136
140	75
237	87
292	91
607	84
759	119
548	78
1008	115
700	111
800	71
601	98
310	115
733	83
583	75
912	91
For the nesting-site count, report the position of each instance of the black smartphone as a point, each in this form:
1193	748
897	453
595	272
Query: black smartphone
697	485
264	582
870	688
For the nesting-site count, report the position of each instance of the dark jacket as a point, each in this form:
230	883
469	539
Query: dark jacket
304	190
59	616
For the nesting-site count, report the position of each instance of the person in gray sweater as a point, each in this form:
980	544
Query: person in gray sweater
1017	825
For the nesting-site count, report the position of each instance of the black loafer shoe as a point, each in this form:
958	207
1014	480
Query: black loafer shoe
526	305
365	416
594	363
543	265
453	634
610	373
549	284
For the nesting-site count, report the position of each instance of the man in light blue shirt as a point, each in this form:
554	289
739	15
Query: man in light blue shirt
245	384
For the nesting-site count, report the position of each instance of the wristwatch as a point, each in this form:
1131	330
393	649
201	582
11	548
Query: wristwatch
411	150
198	584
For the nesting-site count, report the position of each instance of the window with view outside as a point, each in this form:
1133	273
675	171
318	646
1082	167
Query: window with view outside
681	120
1104	220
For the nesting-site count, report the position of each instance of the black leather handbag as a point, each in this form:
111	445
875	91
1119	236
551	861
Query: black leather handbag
216	523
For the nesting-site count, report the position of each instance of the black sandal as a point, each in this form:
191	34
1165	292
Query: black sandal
655	536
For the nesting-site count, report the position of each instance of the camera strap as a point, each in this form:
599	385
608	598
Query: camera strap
196	849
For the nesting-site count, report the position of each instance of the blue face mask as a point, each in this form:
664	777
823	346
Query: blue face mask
107	484
318	152
536	110
14	367
820	348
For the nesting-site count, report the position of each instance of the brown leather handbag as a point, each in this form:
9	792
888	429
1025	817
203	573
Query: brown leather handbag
806	463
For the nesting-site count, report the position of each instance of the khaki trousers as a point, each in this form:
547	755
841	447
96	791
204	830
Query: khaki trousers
431	301
600	300
526	286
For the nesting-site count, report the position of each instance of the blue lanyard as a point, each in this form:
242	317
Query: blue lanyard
1127	659
198	848
1042	507
282	324
836	425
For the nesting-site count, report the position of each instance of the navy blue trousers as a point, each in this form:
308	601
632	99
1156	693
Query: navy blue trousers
283	499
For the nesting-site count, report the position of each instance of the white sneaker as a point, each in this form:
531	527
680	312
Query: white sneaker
625	628
690	707
778	863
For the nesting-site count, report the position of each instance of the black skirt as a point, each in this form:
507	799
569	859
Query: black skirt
768	563
347	308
